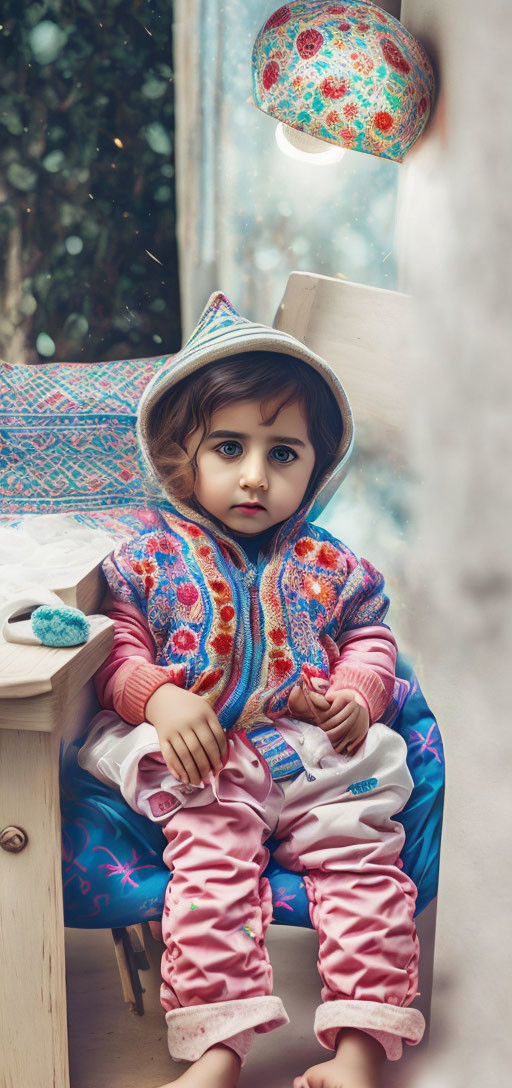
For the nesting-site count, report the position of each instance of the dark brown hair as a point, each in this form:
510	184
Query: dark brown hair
254	375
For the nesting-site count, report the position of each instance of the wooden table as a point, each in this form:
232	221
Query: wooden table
43	693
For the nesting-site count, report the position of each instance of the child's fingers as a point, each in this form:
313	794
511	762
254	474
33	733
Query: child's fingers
316	704
192	768
337	734
316	699
210	744
351	740
296	693
217	730
174	762
199	754
319	683
297	703
301	706
354	745
347	734
346	716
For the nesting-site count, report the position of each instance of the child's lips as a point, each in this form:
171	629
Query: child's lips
249	507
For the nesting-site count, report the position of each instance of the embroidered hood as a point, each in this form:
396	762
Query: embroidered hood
220	333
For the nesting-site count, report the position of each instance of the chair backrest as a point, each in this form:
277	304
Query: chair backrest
363	333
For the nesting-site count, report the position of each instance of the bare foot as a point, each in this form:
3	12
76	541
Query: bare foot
357	1064
218	1067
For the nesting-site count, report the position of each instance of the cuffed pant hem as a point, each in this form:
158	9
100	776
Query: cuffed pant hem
389	1024
194	1029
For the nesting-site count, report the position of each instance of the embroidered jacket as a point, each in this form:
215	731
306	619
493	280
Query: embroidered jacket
240	634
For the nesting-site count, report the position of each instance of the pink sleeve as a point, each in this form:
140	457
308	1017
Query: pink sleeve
129	676
366	663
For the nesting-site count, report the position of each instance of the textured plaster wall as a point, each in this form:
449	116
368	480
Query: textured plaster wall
455	239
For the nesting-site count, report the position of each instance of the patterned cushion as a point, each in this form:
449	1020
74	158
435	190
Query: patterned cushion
68	442
114	873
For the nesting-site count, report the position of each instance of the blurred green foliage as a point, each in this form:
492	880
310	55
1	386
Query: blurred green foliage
87	193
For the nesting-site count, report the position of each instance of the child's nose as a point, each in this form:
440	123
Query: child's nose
253	474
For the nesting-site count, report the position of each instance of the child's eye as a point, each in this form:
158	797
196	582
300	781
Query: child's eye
286	451
228	448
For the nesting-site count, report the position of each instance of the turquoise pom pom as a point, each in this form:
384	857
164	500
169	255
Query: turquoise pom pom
60	626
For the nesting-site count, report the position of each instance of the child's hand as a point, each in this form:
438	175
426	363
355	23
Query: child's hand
192	740
342	715
347	720
305	705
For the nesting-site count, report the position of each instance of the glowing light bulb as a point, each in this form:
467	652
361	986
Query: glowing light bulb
300	145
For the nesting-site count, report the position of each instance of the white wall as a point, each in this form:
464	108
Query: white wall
455	232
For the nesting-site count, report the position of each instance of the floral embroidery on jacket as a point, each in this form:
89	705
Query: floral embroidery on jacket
245	646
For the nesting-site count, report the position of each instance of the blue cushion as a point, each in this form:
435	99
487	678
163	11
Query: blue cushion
113	872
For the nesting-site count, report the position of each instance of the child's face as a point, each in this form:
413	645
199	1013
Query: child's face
243	460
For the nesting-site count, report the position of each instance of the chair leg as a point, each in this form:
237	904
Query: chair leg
130	957
136	934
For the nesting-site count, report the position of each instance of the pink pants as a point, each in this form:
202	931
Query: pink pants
217	978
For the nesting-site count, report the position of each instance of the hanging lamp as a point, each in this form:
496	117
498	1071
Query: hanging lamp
347	74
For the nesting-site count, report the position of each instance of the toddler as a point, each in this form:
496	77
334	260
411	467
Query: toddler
243	695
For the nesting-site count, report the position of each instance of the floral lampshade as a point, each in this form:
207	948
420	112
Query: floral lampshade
349	74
